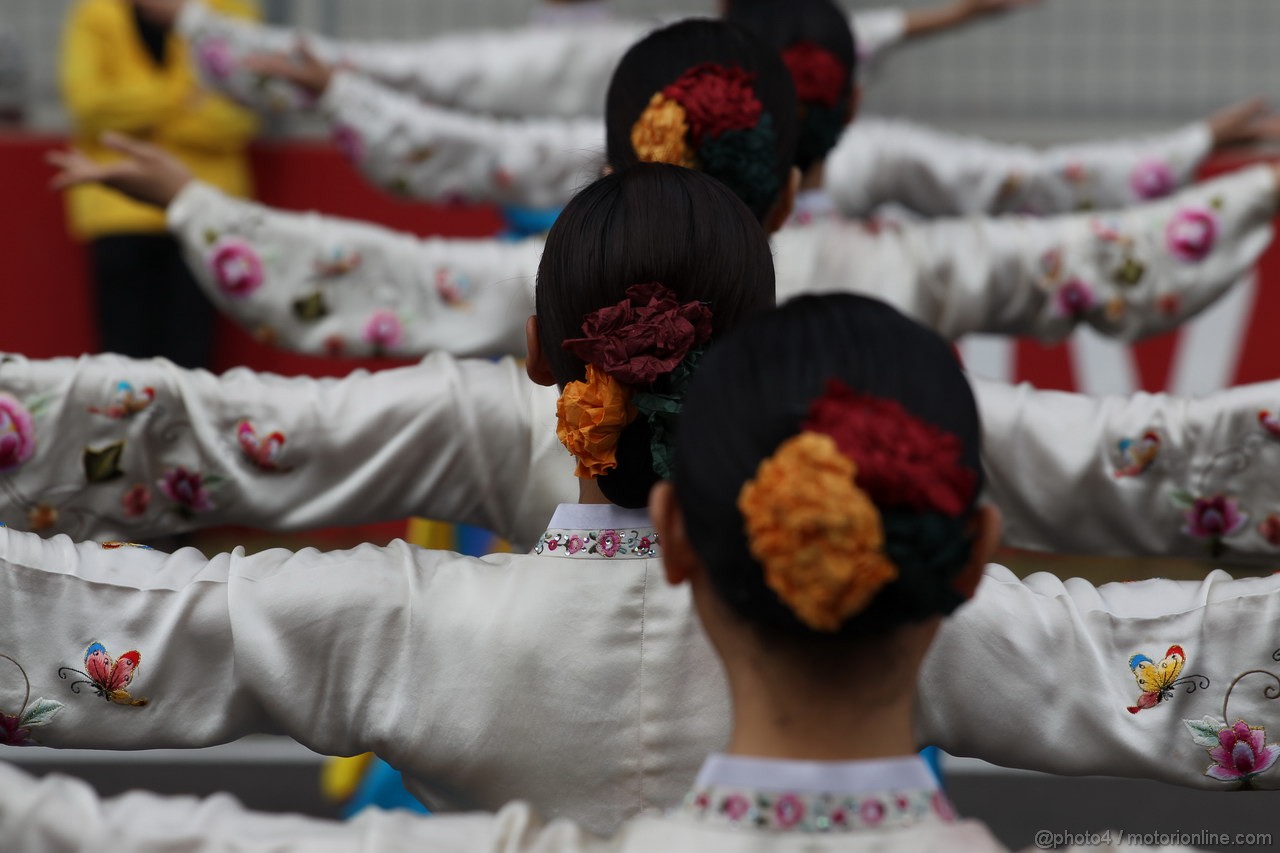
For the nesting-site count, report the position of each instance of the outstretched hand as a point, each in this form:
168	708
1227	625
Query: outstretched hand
147	174
303	68
1245	123
162	12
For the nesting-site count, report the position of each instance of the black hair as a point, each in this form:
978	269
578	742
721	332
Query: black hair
650	222
783	24
663	56
754	390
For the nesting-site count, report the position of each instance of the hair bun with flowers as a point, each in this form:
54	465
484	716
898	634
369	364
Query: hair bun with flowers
641	354
854	506
711	120
822	81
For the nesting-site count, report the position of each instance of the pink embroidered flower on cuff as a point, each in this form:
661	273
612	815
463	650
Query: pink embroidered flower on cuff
1242	753
736	807
610	542
1192	234
1214	518
216	59
383	331
574	545
17	434
236	267
186	489
1074	299
1153	178
871	812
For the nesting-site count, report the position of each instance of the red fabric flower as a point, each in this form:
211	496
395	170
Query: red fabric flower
716	99
903	462
644	336
820	77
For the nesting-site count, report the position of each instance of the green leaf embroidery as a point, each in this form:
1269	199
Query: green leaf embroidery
213	481
210	236
1186	500
1205	732
311	308
103	465
1131	272
40	713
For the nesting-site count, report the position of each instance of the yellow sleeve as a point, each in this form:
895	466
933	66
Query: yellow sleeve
95	95
211	124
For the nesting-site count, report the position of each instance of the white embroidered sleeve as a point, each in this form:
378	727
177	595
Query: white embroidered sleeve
115	448
878	31
553	71
935	173
421	151
62	813
1155	679
1145	475
1128	274
324	285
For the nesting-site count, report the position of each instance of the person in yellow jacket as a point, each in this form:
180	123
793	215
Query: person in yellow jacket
124	72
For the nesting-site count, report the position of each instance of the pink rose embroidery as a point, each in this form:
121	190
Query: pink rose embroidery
789	810
12	733
1214	518
574	545
736	807
383	331
216	59
186	489
1152	178
236	267
17	434
1074	299
136	501
1242	753
872	812
610	542
1192	234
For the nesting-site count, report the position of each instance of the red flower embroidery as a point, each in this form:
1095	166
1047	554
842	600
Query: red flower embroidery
136	501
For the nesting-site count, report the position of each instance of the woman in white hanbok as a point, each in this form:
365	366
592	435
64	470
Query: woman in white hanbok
824	517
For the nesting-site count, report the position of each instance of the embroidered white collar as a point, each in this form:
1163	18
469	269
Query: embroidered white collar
813	206
599	531
816	797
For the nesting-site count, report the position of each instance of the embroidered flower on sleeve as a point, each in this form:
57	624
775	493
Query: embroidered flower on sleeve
216	59
15	729
187	489
1074	299
136	501
1214	518
1239	752
109	677
264	451
1138	454
1192	233
1153	178
383	331
610	541
17	434
236	267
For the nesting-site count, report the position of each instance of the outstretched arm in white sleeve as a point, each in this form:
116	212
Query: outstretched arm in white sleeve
1129	274
107	447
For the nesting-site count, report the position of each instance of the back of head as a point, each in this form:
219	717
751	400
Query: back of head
650	224
710	96
828	468
815	40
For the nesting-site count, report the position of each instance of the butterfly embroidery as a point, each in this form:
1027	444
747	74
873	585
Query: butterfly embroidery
263	452
1138	454
127	402
107	677
1158	680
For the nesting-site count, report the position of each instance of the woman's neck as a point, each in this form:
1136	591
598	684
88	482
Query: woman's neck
589	493
813	179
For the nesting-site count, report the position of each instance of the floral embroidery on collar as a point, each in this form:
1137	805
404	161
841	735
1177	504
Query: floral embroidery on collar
627	544
816	813
15	729
109	677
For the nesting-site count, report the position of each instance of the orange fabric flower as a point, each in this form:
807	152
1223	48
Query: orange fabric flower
591	416
818	536
661	133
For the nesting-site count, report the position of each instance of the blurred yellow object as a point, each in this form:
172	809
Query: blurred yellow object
111	82
341	777
434	535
